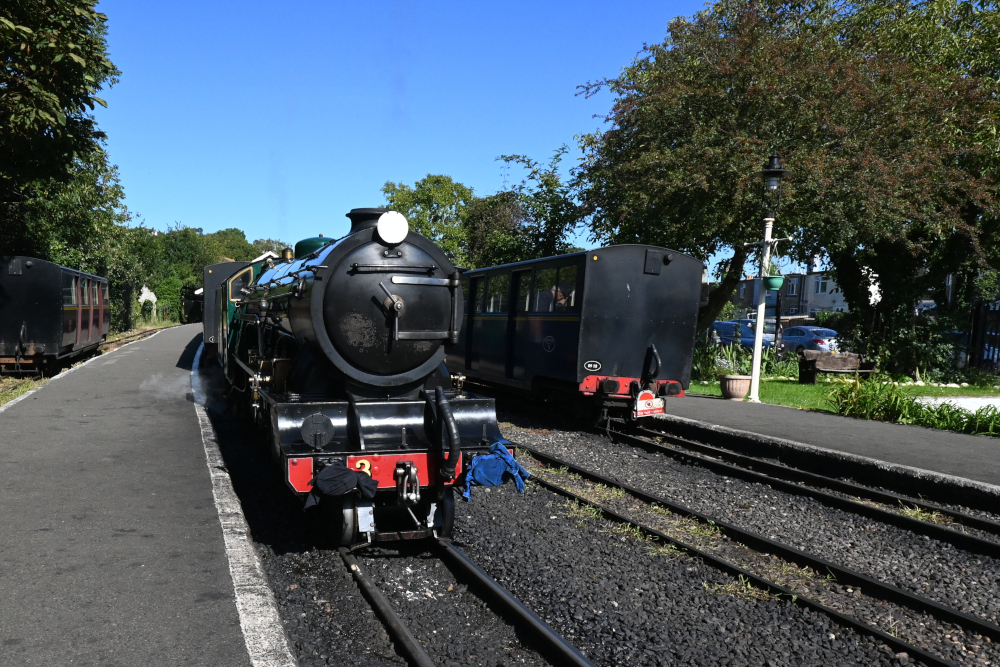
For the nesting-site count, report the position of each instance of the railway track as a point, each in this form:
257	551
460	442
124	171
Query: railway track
964	530
128	339
548	643
924	629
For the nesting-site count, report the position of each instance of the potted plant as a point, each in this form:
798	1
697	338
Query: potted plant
773	280
733	369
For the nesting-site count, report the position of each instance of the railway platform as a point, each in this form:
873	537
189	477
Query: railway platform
913	459
112	551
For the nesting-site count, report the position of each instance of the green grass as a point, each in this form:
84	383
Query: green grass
781	392
13	386
815	397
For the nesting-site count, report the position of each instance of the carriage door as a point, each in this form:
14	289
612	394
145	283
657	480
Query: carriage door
491	327
517	331
95	311
105	310
88	311
475	324
81	291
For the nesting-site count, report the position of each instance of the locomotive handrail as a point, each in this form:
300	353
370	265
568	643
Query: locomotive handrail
425	335
450	431
438	282
456	306
392	267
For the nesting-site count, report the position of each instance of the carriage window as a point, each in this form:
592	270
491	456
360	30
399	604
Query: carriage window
480	287
545	289
555	289
566	291
238	282
522	282
104	292
497	291
86	292
69	289
93	293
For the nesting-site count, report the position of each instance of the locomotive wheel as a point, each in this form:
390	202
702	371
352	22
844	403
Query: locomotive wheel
447	505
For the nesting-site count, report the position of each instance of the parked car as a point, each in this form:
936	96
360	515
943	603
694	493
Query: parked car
749	326
729	333
798	339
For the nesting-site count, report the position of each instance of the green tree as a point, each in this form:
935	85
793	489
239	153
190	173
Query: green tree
884	165
551	212
82	222
435	207
274	245
533	219
54	55
232	244
494	230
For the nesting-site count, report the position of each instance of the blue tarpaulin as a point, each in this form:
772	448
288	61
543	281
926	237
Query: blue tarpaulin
494	469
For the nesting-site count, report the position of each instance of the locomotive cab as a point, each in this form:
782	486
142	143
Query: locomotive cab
338	352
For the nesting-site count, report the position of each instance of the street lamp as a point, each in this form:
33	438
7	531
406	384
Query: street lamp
772	175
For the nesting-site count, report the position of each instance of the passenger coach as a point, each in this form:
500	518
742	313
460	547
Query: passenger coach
49	314
613	328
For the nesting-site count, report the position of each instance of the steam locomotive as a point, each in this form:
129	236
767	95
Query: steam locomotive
338	351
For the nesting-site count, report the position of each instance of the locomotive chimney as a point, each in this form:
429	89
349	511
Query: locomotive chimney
364	218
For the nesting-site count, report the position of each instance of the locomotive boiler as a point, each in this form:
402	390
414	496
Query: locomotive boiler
338	351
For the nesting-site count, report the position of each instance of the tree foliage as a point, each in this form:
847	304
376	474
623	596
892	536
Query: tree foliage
886	167
55	61
435	207
179	255
81	222
533	219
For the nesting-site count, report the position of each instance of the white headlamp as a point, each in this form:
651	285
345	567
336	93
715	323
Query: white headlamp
392	227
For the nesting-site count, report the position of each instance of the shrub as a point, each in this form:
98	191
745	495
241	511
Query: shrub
882	400
703	363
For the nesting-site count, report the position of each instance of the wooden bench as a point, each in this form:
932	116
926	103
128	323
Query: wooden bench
812	363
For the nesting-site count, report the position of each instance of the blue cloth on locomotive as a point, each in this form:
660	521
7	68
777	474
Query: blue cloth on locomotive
337	479
494	469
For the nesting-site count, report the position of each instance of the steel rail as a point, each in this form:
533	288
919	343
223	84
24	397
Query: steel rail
552	645
136	336
400	634
872	587
964	541
803	477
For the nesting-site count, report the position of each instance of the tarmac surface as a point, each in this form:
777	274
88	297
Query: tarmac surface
112	551
969	456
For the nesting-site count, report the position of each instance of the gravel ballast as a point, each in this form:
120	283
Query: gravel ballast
620	603
453	625
897	556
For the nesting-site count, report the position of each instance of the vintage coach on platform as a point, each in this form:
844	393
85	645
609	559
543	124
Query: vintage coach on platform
49	314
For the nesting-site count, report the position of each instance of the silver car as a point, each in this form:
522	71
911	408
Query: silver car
809	338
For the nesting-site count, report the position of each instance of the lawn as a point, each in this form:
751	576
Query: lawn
814	396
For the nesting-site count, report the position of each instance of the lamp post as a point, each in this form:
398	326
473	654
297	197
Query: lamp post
772	175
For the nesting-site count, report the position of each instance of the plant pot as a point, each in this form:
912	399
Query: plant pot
773	282
734	387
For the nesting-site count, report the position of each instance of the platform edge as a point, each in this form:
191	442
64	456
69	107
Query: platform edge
263	633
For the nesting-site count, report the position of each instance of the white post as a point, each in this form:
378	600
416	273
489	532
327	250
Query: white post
758	337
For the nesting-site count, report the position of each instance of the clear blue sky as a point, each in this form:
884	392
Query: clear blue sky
278	118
